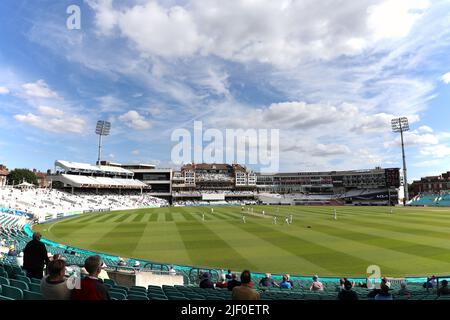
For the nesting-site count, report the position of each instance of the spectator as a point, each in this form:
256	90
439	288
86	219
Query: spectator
122	262
289	280
222	283
384	294
316	285
229	275
12	251
347	294
172	271
267	281
91	287
244	291
67	250
205	281
285	284
443	290
54	286
35	257
403	291
233	283
19	259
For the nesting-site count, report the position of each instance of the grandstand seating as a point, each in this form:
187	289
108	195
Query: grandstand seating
433	200
44	202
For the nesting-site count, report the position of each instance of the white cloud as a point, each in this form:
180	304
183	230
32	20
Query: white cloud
38	89
110	103
136	152
4	90
134	120
65	124
279	33
439	151
395	18
446	78
50	111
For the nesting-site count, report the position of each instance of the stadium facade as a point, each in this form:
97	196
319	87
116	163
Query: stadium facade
223	183
431	184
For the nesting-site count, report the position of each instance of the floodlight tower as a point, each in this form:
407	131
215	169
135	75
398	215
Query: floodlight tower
401	125
103	128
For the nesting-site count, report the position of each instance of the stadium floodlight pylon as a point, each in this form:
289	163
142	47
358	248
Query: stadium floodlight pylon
401	125
103	128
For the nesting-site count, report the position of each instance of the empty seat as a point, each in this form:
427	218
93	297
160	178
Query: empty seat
12	292
136	297
117	295
18	284
29	295
4	280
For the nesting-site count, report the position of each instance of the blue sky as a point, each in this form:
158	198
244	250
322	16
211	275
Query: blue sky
329	77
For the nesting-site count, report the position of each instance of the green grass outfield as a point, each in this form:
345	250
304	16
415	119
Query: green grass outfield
409	242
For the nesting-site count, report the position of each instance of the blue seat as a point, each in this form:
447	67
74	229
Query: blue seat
117	295
34	287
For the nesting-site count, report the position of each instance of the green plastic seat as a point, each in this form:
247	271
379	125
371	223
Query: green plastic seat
136	297
117	295
110	282
23	278
5	298
29	295
18	284
4	280
138	293
34	280
12	292
138	288
34	287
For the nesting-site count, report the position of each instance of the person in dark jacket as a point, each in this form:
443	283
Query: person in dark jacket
35	256
347	293
233	283
206	282
91	287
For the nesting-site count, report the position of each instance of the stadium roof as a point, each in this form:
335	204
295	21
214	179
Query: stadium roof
85	167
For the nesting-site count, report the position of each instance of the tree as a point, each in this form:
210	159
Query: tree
17	176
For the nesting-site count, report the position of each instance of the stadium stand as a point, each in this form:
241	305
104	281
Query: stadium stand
441	199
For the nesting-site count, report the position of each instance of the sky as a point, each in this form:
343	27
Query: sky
329	75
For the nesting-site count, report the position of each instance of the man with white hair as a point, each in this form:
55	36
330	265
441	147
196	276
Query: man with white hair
35	257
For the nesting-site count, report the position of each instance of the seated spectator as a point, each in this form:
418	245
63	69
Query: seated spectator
12	252
431	283
67	250
285	284
229	275
137	264
244	291
233	283
222	283
403	291
205	281
172	271
443	290
91	287
384	294
121	263
289	280
347	294
54	286
316	285
267	281
19	259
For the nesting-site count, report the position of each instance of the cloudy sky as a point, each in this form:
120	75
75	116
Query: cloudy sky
329	74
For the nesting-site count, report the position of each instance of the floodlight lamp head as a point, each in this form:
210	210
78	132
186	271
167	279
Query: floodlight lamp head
400	124
103	128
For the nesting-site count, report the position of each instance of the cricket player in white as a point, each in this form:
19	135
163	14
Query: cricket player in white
291	217
203	216
335	214
263	213
243	218
212	210
286	220
274	220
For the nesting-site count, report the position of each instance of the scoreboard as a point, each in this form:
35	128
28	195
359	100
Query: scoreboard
392	177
